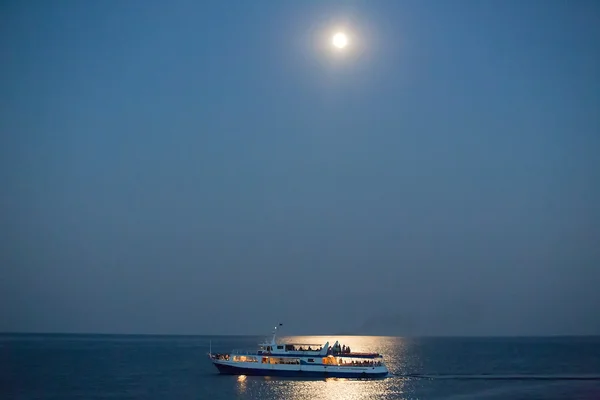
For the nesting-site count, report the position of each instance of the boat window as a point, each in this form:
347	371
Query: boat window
361	362
311	360
244	359
329	360
287	360
280	347
282	360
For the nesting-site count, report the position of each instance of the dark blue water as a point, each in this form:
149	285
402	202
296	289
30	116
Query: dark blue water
171	367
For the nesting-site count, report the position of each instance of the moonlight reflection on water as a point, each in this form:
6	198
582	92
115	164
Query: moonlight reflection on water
333	388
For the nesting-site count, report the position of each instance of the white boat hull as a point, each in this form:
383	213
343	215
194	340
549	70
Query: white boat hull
295	370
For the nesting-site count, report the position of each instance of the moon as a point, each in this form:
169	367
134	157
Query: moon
340	40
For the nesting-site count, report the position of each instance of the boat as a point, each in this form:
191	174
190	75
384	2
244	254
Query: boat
274	358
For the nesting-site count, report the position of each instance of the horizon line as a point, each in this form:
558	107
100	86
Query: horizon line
38	333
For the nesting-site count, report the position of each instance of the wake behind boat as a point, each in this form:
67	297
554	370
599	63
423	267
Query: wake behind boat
301	360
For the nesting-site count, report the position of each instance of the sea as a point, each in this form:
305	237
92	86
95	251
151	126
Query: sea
177	367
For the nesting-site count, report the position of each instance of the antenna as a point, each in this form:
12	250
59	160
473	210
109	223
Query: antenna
275	333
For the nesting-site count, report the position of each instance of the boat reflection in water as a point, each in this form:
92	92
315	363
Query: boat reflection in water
241	380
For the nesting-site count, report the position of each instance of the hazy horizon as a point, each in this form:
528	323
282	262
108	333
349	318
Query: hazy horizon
283	336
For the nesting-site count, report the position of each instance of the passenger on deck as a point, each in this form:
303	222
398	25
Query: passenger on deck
343	348
348	349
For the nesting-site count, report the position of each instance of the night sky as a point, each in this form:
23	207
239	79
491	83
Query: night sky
197	167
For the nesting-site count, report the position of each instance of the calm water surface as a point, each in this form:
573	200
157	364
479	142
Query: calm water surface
171	367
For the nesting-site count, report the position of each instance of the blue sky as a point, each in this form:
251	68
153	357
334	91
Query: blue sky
197	167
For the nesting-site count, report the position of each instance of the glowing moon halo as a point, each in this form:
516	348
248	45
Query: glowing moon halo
340	40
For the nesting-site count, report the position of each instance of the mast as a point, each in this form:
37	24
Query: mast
275	334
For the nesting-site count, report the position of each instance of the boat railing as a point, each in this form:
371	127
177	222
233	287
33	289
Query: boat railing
307	352
243	352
